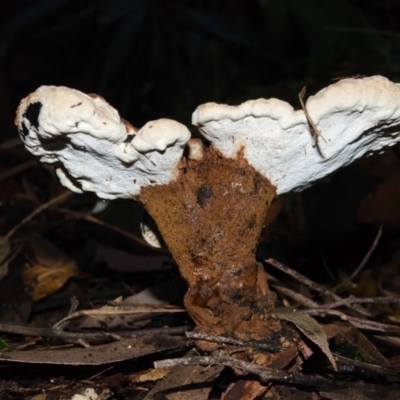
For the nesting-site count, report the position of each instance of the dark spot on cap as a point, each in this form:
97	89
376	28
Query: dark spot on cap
32	113
24	130
76	105
128	138
256	184
204	193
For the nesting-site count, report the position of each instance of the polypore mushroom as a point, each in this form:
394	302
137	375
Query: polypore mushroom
210	206
355	116
93	148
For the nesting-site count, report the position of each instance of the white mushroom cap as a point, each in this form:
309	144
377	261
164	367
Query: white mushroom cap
196	149
354	116
149	138
98	151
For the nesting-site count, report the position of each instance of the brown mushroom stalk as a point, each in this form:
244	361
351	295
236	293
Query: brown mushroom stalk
211	218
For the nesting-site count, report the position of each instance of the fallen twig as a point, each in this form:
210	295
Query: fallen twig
317	134
315	286
358	300
296	296
94	220
363	261
328	269
225	340
360	323
265	374
58	199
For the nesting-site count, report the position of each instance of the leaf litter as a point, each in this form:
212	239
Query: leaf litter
94	317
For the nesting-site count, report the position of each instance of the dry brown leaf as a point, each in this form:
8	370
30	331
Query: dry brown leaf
192	382
279	360
40	396
120	313
41	281
51	270
124	349
345	334
244	390
336	328
310	328
150	375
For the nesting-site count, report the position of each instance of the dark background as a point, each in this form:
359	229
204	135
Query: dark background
162	58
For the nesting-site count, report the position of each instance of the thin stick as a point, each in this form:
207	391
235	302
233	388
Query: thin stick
265	374
94	220
74	304
327	268
301	278
58	199
316	132
356	300
90	380
360	323
225	340
315	286
296	296
363	261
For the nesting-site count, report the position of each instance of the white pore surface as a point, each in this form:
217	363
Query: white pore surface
354	116
94	148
